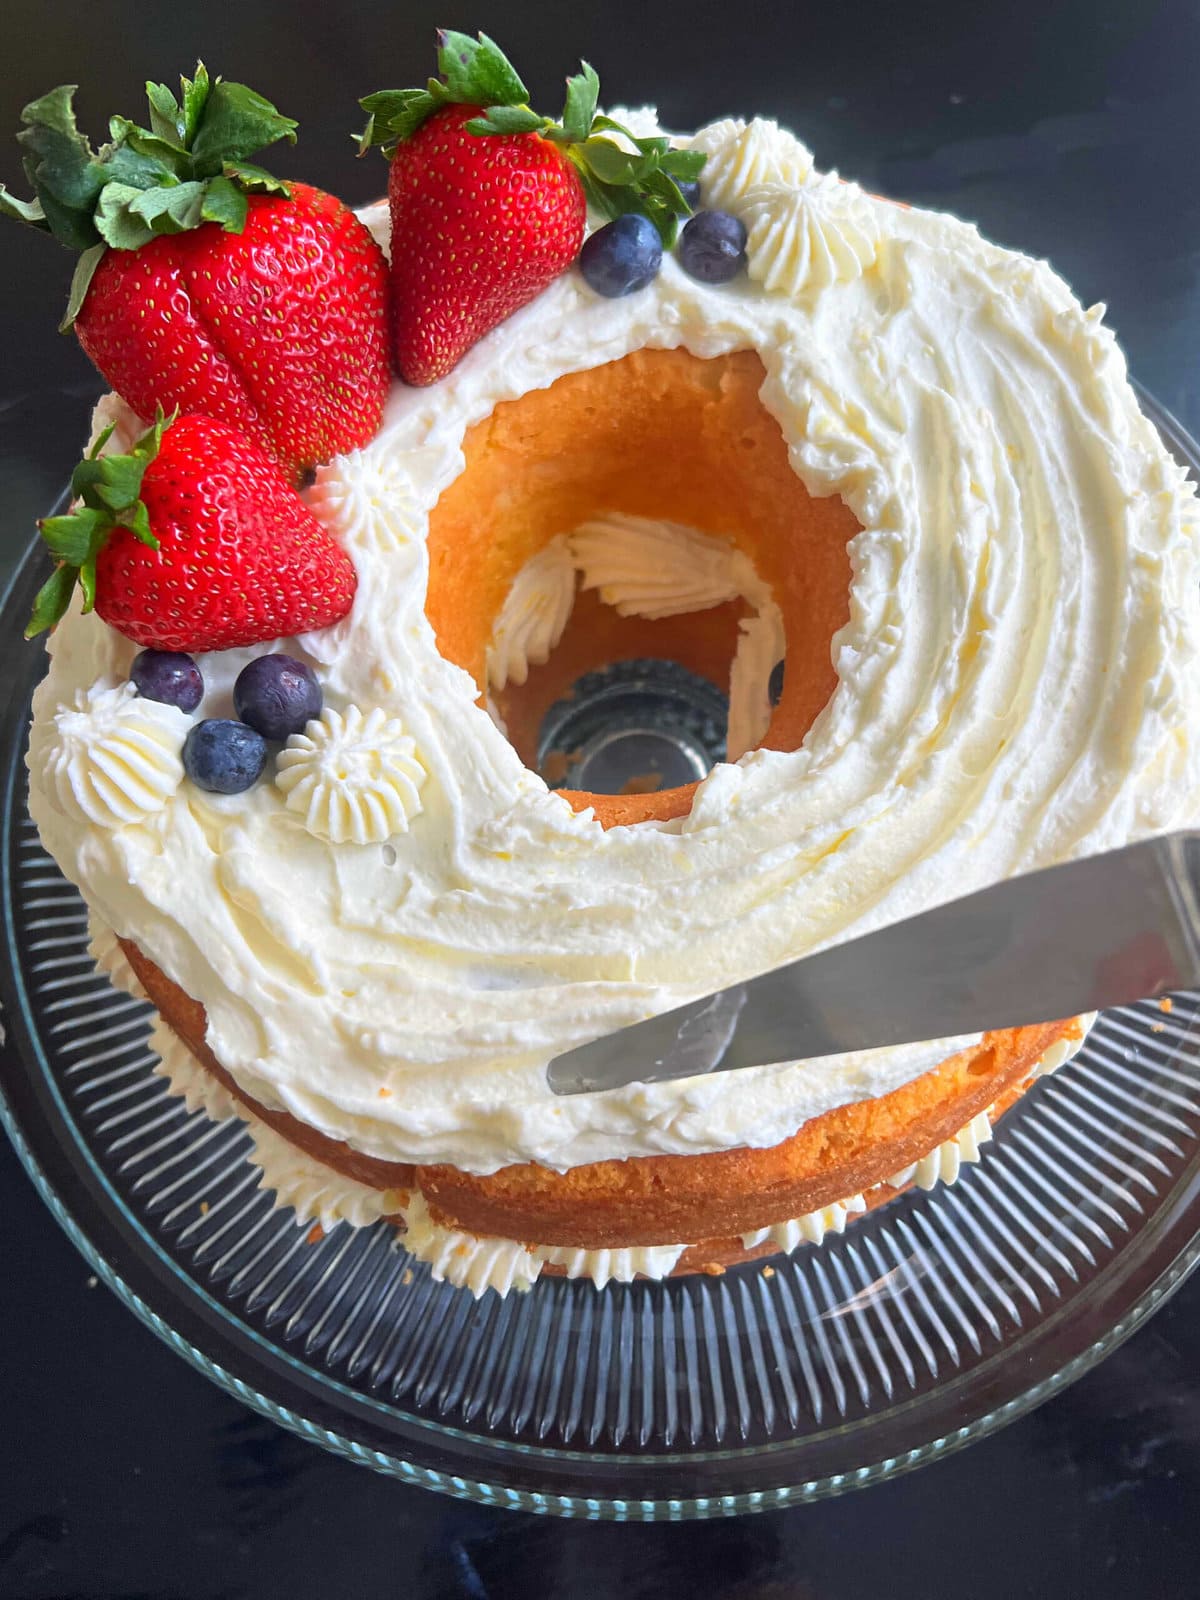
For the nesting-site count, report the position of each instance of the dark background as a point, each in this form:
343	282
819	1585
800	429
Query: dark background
1068	130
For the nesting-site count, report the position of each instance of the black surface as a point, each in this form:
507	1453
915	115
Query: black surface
1069	131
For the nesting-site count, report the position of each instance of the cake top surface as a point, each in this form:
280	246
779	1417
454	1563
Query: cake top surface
394	931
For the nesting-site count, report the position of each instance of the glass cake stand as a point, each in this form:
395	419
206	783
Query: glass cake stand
929	1323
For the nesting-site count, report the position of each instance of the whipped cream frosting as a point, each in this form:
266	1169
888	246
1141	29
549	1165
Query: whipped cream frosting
1017	684
802	241
111	758
352	777
644	568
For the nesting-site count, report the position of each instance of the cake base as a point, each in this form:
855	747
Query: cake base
658	1200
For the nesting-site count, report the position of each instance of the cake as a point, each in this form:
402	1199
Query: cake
894	456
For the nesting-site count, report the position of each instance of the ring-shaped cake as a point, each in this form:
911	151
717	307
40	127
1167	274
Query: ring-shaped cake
906	453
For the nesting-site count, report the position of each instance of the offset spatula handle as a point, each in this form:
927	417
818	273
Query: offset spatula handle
1099	932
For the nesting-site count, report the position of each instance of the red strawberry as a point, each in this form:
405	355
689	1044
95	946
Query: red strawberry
280	330
481	226
489	199
194	541
266	309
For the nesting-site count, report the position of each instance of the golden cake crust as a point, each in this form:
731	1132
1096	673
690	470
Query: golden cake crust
650	1200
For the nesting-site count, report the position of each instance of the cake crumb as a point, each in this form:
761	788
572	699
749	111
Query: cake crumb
1166	1004
93	1282
713	1269
384	1092
204	1208
406	1277
315	1234
768	1272
1158	1027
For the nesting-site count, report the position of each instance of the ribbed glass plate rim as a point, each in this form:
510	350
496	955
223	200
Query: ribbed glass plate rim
594	1507
1164	1269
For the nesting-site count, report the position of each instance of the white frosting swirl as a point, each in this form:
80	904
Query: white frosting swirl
463	1259
645	568
1017	683
353	778
111	758
800	242
534	615
745	156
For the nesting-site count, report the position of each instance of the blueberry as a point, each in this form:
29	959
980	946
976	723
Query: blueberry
689	188
712	246
775	685
164	675
622	256
223	756
277	695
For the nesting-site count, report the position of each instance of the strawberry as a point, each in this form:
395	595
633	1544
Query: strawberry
489	200
485	225
194	541
207	285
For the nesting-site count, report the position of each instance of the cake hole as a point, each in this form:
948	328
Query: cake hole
633	728
388	852
666	437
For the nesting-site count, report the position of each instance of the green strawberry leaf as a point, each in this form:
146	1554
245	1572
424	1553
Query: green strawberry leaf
115	481
108	489
138	523
58	159
23	210
60	165
579	111
136	153
477	72
81	281
166	114
223	202
87	582
507	119
195	93
613	165
256	180
128	218
685	164
394	115
102	439
233	123
70	538
53	598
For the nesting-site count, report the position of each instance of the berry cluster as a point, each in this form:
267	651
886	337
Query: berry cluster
626	255
274	696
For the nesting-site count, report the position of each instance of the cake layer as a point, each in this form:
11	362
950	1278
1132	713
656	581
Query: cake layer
647	1201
